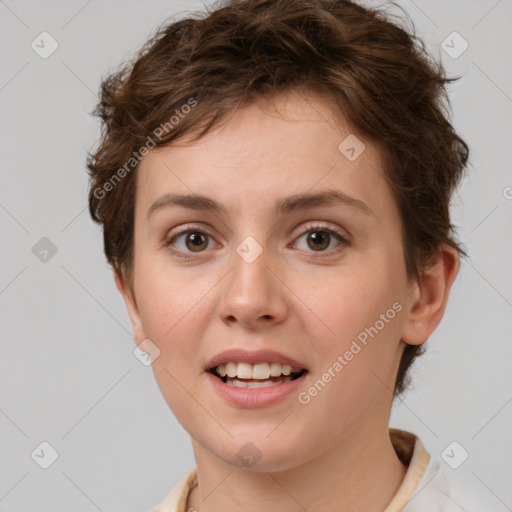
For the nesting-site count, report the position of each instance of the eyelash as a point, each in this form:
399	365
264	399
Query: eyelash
310	227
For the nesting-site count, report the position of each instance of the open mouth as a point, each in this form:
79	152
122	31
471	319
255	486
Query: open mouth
254	376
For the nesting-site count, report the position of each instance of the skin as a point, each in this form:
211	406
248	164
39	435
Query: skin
335	451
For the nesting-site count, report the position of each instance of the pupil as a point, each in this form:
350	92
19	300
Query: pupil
318	237
196	240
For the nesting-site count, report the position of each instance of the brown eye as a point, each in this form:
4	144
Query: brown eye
189	242
318	240
321	239
196	241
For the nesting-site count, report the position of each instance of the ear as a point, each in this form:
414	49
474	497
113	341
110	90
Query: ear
429	295
131	305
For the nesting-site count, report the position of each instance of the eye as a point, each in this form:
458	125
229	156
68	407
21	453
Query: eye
190	241
318	238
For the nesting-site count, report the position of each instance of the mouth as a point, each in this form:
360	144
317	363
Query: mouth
256	376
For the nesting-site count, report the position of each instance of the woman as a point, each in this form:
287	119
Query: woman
273	182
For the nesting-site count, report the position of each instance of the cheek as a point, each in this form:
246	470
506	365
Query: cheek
174	309
357	366
167	295
349	300
365	314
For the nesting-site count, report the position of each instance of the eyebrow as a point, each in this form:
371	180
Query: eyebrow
285	205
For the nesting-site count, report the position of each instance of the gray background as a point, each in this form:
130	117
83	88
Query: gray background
68	373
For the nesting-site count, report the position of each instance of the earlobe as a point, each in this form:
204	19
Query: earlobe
131	305
429	296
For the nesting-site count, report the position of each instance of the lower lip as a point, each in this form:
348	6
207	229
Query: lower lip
255	397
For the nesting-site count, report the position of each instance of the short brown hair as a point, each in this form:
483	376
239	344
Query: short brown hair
377	73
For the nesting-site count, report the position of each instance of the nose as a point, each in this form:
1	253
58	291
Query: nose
253	294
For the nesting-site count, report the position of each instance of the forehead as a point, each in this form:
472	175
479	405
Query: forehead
289	144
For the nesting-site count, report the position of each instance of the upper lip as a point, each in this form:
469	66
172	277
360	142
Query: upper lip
240	355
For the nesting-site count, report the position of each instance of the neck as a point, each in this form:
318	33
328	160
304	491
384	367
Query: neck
361	472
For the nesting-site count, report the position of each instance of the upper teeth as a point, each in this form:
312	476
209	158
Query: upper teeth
254	371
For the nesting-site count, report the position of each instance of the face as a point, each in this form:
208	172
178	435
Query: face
318	284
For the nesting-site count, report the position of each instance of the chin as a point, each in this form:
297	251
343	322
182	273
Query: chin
261	452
